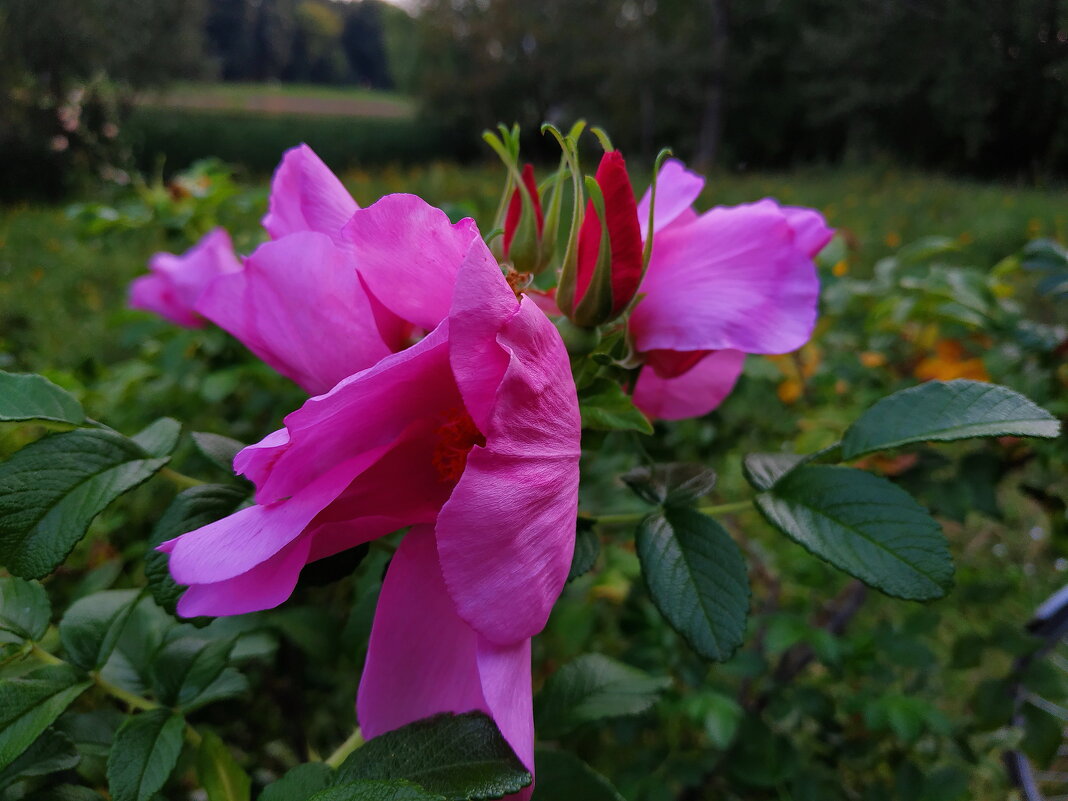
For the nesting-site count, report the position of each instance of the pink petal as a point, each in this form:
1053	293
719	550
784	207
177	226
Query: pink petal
482	304
423	659
306	196
732	279
810	229
249	537
506	535
300	307
175	283
692	394
263	587
366	412
408	253
676	190
402	488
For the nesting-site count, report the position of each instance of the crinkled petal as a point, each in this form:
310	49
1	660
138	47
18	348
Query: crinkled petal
676	190
422	659
733	279
306	196
506	535
482	304
263	587
408	253
175	283
810	229
694	393
249	537
367	411
300	307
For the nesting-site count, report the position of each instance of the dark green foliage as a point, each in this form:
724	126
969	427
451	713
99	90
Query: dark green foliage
33	397
563	776
30	703
145	752
864	525
697	578
51	490
591	688
946	411
24	610
456	756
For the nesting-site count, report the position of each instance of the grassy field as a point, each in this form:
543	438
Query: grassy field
272	98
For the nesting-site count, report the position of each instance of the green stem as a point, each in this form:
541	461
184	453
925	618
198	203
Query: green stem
130	699
180	480
341	754
634	517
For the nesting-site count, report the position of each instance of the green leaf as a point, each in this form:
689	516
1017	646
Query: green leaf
697	579
29	704
457	756
762	470
565	777
65	792
864	525
672	484
219	450
587	547
52	489
24	610
91	626
186	668
944	411
220	775
300	783
604	406
144	755
591	688
374	790
159	438
33	397
723	716
49	753
189	510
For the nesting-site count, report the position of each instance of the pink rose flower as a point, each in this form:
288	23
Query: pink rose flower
174	283
731	281
470	436
334	330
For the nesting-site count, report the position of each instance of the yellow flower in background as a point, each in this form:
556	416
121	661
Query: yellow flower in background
872	359
796	368
949	362
840	268
893	239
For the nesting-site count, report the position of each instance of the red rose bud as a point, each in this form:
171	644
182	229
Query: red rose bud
524	225
609	260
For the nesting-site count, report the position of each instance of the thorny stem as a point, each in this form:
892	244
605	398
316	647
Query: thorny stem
355	741
634	517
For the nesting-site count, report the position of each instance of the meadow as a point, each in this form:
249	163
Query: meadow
838	693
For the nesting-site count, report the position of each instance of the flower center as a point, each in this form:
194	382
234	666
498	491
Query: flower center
454	439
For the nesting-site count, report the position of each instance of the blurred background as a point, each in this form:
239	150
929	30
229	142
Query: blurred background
979	89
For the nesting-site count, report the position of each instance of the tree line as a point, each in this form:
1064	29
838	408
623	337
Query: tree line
953	84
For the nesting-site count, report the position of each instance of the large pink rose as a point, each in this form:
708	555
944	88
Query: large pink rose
470	436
